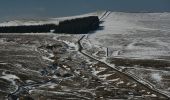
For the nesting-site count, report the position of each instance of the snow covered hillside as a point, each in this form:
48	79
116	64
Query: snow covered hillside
126	58
136	43
135	35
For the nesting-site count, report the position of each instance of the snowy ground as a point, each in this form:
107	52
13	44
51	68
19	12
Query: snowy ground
141	36
135	35
138	44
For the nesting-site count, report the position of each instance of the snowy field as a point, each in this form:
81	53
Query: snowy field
131	49
139	43
135	35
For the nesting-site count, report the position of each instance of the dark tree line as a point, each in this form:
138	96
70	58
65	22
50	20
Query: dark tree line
79	25
73	26
27	29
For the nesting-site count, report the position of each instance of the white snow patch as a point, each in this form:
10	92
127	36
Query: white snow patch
48	59
96	72
104	76
128	84
71	45
156	76
3	63
9	77
120	82
51	55
2	40
154	95
54	76
134	85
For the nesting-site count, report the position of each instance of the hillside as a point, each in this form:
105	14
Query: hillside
127	57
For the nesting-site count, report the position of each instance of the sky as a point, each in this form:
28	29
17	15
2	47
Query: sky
23	9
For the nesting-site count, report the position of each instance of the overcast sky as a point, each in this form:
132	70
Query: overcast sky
15	9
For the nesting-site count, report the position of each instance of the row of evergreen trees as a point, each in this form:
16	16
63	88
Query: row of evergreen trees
27	29
74	26
79	25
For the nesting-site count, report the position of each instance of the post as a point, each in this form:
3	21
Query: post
107	52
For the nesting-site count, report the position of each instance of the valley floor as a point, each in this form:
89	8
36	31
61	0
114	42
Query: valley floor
127	59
